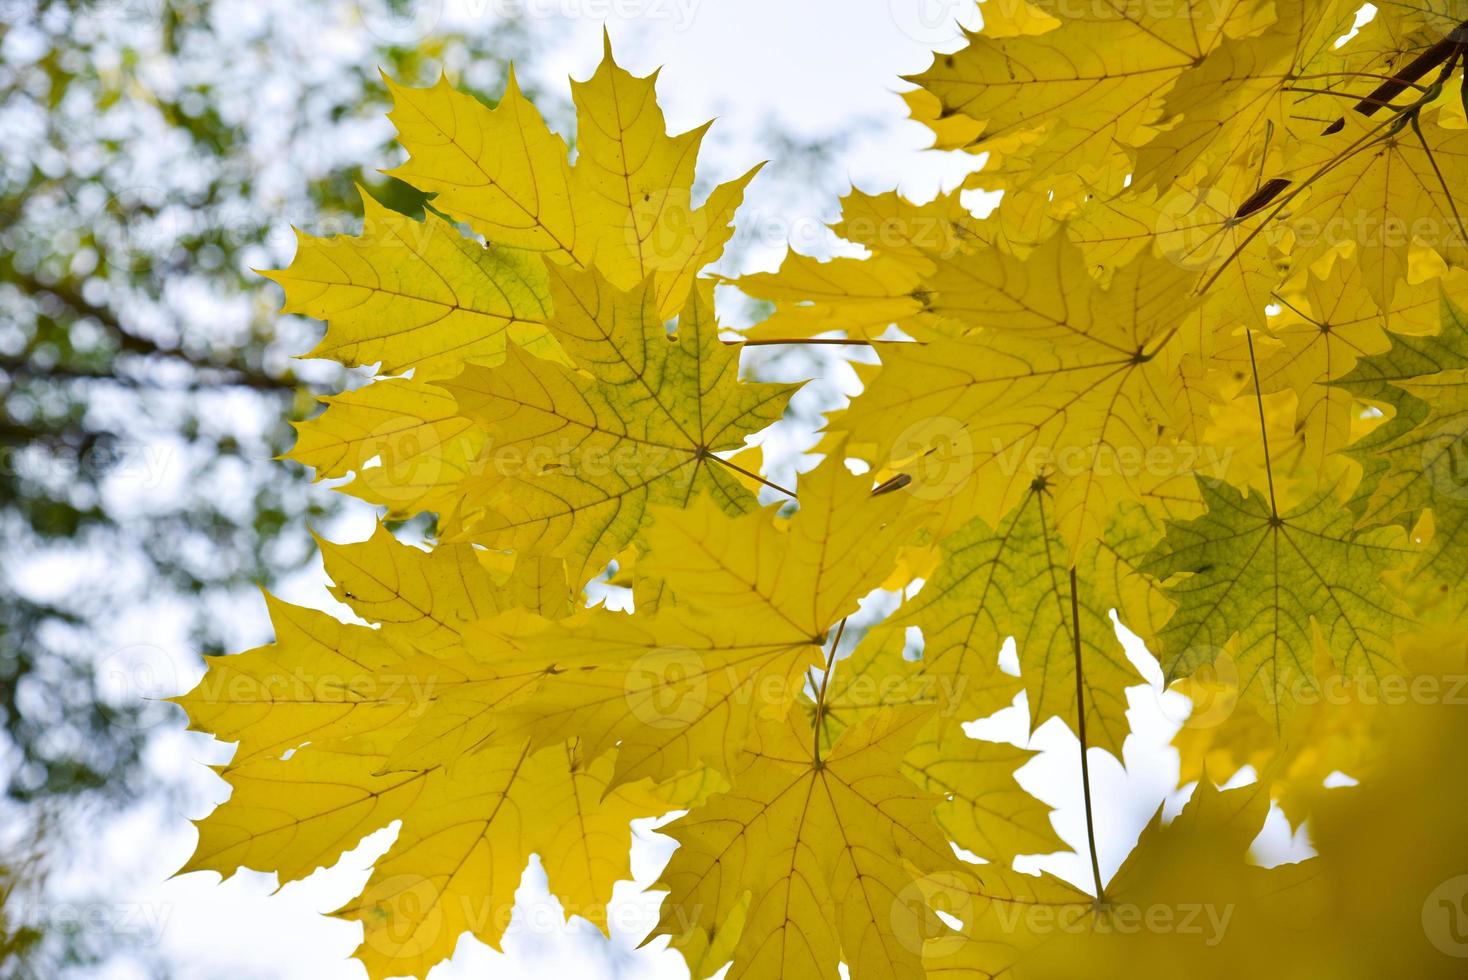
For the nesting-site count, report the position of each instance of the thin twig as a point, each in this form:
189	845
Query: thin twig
1075	629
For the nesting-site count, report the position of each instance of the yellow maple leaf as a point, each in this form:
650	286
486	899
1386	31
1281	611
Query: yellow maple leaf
401	438
320	680
416	295
580	455
757	597
1061	381
1093	86
825	849
459	856
624	207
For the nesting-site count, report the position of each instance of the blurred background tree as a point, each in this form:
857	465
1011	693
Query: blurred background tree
155	151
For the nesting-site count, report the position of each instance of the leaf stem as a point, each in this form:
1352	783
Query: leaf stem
1263	428
1376	76
1281	204
826	341
820	720
1365	100
1075	630
753	476
781	341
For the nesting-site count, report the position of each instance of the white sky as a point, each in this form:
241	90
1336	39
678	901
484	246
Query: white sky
818	66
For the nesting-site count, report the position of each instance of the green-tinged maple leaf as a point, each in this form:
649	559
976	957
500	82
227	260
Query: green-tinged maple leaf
1413	459
1272	588
580	455
1417	460
1016	581
1325	328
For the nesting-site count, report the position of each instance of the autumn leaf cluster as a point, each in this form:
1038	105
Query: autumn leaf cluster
1202	373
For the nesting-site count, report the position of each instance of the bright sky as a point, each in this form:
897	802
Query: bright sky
819	67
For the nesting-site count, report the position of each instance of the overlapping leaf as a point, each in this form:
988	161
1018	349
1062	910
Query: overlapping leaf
579	455
757	599
1061	380
1270	586
625	206
826	850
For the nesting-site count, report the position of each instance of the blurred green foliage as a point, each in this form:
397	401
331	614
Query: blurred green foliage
155	151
